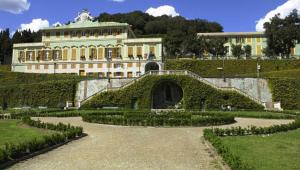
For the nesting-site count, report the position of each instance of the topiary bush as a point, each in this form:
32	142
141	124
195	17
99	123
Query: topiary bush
195	95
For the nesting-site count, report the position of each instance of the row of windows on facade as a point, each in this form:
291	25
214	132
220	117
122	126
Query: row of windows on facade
83	66
244	40
87	33
110	53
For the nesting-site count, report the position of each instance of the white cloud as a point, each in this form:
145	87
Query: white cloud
118	0
35	25
162	10
283	10
14	6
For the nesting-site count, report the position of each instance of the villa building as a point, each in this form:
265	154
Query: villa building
257	41
87	47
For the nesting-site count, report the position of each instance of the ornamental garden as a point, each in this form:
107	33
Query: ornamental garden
126	82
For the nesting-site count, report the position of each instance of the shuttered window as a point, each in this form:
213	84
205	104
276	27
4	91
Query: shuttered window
139	51
74	53
129	65
130	52
114	53
100	65
46	66
100	53
29	67
258	50
73	66
91	65
37	67
65	54
152	50
33	56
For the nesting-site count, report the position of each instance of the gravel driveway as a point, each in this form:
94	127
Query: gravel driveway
116	147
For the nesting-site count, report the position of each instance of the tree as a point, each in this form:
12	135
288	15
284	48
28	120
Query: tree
215	46
193	44
6	47
248	51
283	33
237	51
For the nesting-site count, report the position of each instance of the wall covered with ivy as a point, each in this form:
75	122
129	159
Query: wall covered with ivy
195	94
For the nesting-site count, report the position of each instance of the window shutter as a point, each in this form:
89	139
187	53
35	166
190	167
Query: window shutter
33	56
74	53
27	55
65	54
130	52
139	51
100	53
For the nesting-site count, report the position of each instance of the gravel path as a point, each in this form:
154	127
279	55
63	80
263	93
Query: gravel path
115	147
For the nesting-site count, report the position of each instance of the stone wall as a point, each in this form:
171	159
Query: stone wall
257	88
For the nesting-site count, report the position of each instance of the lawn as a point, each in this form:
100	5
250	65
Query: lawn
15	131
277	151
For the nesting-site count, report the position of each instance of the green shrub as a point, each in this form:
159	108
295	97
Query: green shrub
49	93
194	93
162	119
286	91
233	68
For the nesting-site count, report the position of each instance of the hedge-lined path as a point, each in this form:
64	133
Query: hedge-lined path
116	147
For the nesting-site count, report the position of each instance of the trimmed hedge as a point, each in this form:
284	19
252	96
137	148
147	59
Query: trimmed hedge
152	119
194	93
12	151
233	68
234	161
286	91
51	94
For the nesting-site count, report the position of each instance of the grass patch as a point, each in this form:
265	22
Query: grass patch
14	131
256	114
277	151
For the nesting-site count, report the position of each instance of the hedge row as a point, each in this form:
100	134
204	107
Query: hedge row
231	159
286	91
232	68
13	151
195	95
234	161
152	119
50	94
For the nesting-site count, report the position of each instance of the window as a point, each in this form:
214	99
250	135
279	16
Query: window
118	74
73	34
129	74
82	53
92	33
258	50
65	54
138	64
108	65
47	34
46	67
47	55
57	34
130	52
139	52
87	33
114	53
37	67
81	65
91	65
92	53
83	33
101	74
293	51
249	39
64	66
109	53
258	40
29	67
118	65
100	53
152	50
21	56
129	65
100	32
100	65
74	51
66	34
78	34
56	66
73	66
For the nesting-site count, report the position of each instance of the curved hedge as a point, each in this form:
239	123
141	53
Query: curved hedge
286	91
50	93
194	93
232	68
153	119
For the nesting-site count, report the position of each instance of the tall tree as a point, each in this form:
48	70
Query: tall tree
216	47
283	33
237	51
248	51
6	47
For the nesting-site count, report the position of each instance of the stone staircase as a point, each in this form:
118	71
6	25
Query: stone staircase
176	72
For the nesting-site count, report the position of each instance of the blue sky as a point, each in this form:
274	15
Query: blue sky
234	15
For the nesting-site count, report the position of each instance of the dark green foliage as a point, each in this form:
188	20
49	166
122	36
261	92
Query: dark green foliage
14	151
248	50
5	47
286	91
49	93
282	34
194	94
153	119
232	68
237	50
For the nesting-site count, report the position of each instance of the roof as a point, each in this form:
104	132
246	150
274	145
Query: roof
224	34
87	24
